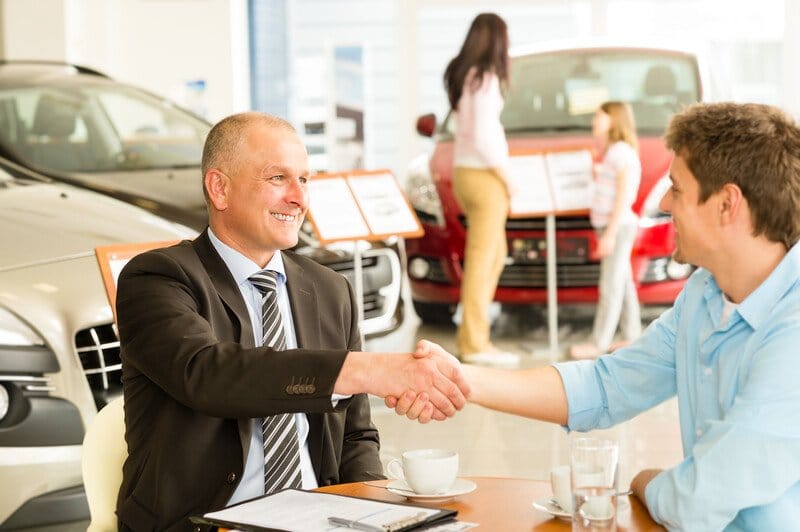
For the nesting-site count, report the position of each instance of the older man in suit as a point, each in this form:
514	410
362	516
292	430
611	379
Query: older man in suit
241	363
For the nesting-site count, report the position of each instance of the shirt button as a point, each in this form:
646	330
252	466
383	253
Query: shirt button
707	372
699	432
231	478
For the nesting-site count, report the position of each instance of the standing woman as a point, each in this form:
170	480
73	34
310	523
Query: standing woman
617	179
475	80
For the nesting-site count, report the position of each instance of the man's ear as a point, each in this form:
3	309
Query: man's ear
732	203
217	186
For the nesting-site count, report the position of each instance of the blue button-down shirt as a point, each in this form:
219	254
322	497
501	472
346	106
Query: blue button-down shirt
738	388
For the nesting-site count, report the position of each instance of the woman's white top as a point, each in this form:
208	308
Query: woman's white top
619	156
480	140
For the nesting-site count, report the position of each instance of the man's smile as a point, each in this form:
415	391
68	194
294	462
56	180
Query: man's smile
284	217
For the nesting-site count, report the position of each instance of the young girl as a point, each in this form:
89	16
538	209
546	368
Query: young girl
617	179
474	80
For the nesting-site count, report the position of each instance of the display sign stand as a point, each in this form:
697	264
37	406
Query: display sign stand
357	206
113	258
550	184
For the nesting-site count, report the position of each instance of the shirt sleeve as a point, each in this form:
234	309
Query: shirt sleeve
615	388
750	456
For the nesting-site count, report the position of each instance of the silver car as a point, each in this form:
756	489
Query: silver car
78	126
59	352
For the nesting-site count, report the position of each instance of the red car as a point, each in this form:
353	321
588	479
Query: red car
550	104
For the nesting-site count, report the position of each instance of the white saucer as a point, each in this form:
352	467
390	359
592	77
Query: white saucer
461	486
547	505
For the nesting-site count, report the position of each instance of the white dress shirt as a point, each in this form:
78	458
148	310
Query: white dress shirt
241	267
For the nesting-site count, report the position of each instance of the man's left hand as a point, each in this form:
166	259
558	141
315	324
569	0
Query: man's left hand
640	482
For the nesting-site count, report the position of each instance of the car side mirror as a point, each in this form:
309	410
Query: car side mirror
426	125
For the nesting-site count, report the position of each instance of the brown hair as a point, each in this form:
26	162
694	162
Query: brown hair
486	49
623	125
223	146
754	146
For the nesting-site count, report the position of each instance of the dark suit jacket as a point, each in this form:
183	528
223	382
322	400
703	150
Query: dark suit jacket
193	379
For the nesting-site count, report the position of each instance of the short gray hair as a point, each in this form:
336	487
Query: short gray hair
224	142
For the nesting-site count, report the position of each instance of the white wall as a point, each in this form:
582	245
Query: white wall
790	95
34	30
155	44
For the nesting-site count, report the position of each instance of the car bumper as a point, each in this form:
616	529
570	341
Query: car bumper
661	293
435	267
56	495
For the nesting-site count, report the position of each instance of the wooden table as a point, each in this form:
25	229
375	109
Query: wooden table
502	504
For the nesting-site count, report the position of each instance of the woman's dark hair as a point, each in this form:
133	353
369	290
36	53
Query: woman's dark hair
486	49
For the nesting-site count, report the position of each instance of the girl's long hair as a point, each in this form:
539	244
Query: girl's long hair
623	125
486	49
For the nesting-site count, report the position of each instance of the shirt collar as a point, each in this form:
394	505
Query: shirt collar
759	305
242	267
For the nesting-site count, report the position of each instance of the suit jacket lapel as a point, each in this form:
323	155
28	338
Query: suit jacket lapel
305	314
303	297
225	286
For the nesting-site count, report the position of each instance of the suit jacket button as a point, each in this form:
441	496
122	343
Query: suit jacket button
311	388
289	389
296	388
196	529
231	478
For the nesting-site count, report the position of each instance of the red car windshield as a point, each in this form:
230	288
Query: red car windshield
560	91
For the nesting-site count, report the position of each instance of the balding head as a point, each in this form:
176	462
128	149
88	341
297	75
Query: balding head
224	144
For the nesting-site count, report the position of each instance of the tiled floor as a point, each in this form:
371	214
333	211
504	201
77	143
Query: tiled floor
495	444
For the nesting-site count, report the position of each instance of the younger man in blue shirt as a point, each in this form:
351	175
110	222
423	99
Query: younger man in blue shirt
730	346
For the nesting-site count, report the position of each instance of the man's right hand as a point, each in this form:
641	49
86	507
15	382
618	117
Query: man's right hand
431	376
416	405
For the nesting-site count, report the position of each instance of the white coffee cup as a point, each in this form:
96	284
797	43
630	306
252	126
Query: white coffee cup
426	471
561	483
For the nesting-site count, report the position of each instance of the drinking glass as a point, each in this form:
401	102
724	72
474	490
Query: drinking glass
594	465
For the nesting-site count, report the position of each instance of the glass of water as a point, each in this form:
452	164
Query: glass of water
594	484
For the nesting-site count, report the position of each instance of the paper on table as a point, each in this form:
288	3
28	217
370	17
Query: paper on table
309	511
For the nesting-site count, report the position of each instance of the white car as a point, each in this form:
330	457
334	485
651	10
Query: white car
59	352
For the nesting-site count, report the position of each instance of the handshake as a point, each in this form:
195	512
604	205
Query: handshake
427	384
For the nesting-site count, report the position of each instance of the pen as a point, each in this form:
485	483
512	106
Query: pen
358	525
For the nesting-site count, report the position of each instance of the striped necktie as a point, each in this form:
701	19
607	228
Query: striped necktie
281	446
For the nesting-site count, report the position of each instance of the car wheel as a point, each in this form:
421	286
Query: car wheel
435	313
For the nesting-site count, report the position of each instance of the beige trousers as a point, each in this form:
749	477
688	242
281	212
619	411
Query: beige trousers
484	200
